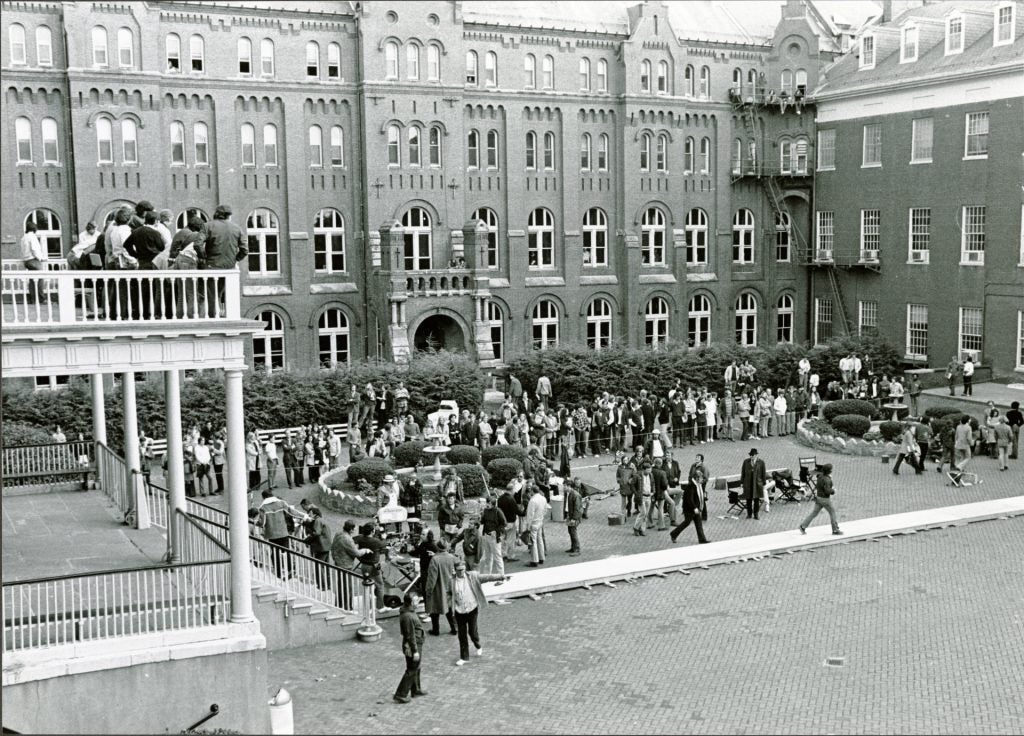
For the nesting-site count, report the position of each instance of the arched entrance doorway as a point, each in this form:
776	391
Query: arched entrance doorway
440	332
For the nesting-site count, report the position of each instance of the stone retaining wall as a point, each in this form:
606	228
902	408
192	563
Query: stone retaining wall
844	445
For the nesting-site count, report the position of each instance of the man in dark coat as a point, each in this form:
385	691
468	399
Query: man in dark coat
647	412
752	475
225	246
440	573
412	647
573	516
693	504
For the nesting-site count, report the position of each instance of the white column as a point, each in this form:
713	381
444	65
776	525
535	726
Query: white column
238	506
99	412
133	465
175	468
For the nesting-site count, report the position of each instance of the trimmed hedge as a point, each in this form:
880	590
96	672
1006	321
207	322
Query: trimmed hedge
512	452
891	431
463	455
937	412
473	477
502	470
373	469
852	425
20	433
834	409
407	454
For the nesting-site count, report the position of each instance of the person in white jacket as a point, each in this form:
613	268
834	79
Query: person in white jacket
781	407
536	512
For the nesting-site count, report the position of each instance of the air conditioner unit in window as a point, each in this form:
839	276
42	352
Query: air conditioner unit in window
919	256
975	356
974	256
869	255
823	254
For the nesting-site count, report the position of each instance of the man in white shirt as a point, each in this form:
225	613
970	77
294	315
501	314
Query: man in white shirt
334	449
536	511
804	371
203	460
270	450
968	376
34	256
857	365
468	600
780	406
846	368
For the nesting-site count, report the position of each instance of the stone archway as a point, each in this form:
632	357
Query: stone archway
440	332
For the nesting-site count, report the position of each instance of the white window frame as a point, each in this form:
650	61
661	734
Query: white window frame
549	151
595	238
705	82
825	234
492	147
494	322
653	237
827	144
530	71
394	146
263	232
603	152
599	324
333	325
656	322
1010	26
645	75
698	321
414	140
312	60
104	125
910	41
200	144
918	126
645	152
737	156
971	233
472	71
696	234
49	231
196	54
824	314
172	51
267	61
433	62
316	147
544	325
412	62
689	81
784	312
586	152
129	141
247	138
490	69
270	341
473	150
950	48
530	152
745	322
866	163
270	148
867	52
919	225
975	338
743	237
911	344
661	153
548	72
786	156
783	237
540	239
705	156
970	119
602	75
391	60
870	235
334	61
177	139
23	137
434	147
689	155
337	146
661	82
584	74
329	242
244	51
125	51
867	317
44	46
418	236
100	47
18	43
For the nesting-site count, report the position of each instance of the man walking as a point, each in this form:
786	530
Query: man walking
698	476
466	599
510	510
412	647
437	601
823	500
642	486
752	474
573	517
693	506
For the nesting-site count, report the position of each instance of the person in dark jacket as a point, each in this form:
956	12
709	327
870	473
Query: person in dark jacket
319	538
574	516
225	246
752	474
823	500
412	648
693	504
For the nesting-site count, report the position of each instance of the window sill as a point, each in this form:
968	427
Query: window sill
830	168
871	166
983	157
921	161
972	263
925	262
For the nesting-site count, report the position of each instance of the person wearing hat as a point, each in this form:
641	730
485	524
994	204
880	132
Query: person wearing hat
654	447
823	500
752	475
225	246
642	486
467	599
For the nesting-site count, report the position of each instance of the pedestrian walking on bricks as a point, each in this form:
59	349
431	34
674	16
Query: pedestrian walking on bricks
693	506
536	511
574	516
412	648
466	599
823	500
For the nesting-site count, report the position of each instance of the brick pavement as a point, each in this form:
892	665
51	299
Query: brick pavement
928	628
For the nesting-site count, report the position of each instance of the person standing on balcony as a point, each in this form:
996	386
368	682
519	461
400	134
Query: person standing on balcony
145	244
78	257
34	256
163	226
225	246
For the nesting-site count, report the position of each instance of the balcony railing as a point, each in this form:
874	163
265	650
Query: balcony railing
98	298
439	282
47	464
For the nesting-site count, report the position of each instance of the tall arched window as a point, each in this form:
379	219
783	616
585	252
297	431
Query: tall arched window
99	46
270	145
177	144
705	82
472	68
129	142
413	137
329	242
264	252
656	322
394	146
434	146
645	152
737	80
602	152
23	135
595	238
662	81
585	152
492	149
181	221
248	138
737	156
696	237
125	48
599	324
16	39
746	319
418	237
197	53
645	76
473	150
244	56
783	235
661	159
391	60
688	81
337	146
312	59
267	57
433	63
496	327
784	319
44	46
743	236
172	47
688	156
548	72
268	346
530	71
531	150
491	69
584	74
752	80
332	338
51	150
652	237
540	237
786	156
752	155
333	61
316	146
104	141
800	81
48	231
544	322
602	75
698	323
490	221
800	162
705	155
786	81
412	62
549	151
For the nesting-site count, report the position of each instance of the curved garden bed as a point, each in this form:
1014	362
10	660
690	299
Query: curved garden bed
821	436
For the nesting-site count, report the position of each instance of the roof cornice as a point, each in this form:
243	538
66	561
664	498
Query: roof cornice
942	77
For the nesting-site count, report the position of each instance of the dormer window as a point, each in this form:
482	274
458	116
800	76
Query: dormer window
1003	33
954	34
867	52
908	44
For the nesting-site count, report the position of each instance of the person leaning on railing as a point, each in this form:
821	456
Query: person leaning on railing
225	246
34	256
187	251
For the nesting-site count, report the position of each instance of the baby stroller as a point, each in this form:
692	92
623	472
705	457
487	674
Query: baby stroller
787	489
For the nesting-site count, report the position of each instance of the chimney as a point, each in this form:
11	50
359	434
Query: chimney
892	9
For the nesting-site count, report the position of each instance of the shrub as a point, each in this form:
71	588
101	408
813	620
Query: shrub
872	436
373	469
937	412
407	454
891	431
19	433
474	479
820	426
834	409
463	455
503	451
853	425
945	428
502	470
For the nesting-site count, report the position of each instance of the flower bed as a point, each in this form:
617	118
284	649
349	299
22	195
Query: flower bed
820	435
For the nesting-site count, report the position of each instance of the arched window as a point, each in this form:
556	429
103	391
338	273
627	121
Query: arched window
472	67
786	156
434	63
490	221
800	161
602	75
602	152
313	59
541	239
652	237
172	46
104	141
696	237
329	242
264	251
413	137
177	144
99	46
737	156
412	61
585	74
786	82
473	150
783	235
44	46
531	150
267	57
268	346
545	325
661	159
434	146
784	319
801	81
548	72
530	71
248	137
698	323
737	80
752	80
491	69
752	156
656	322
585	152
51	151
746	319
418	239
23	135
599	324
181	221
645	152
688	81
743	236
662	81
332	338
705	155
197	52
16	39
391	60
333	61
688	156
337	146
129	142
244	56
496	326
645	76
492	149
705	82
270	145
549	151
125	48
316	146
48	231
394	146
595	238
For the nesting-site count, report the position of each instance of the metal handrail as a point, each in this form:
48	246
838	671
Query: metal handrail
214	710
162	567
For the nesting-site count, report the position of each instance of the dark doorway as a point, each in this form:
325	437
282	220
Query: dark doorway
440	332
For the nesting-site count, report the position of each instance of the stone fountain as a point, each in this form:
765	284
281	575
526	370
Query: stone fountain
437	450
